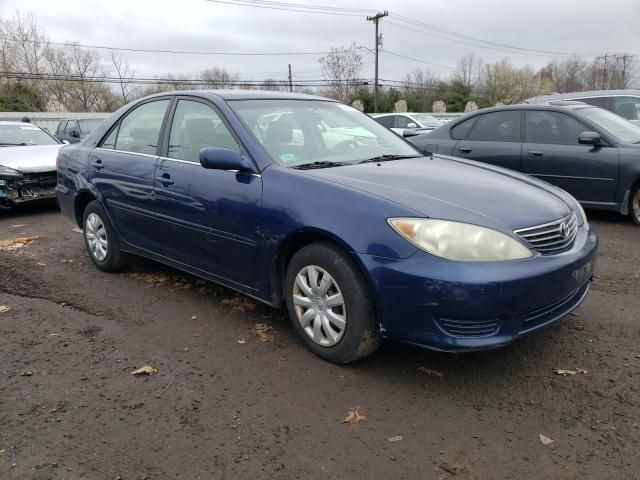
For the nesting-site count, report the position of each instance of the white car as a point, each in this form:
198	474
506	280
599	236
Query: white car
408	124
27	163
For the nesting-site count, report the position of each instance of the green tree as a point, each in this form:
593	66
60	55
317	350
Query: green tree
19	97
456	96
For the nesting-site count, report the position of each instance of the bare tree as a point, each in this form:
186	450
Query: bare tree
420	80
219	78
273	85
125	74
342	68
468	70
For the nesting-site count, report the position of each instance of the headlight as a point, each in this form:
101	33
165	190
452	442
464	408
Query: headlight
6	172
459	241
582	218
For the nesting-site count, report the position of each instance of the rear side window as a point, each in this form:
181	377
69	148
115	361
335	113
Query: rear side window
552	127
627	107
602	102
461	130
138	132
497	127
196	126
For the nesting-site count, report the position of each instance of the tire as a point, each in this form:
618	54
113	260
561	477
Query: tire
97	230
338	329
634	205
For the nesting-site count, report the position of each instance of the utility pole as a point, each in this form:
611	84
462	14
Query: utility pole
290	81
624	69
375	19
604	75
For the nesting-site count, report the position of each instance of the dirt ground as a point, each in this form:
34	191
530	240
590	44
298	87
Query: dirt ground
232	401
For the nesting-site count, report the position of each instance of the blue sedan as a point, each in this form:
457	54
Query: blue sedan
304	202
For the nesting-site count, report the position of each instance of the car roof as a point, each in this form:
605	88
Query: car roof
245	95
591	93
529	106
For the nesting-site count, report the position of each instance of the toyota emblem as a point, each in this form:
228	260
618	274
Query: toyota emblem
564	230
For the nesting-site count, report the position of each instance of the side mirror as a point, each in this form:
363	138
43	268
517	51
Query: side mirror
412	125
407	132
224	159
589	138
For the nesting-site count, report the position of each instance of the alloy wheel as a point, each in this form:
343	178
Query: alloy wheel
319	305
96	234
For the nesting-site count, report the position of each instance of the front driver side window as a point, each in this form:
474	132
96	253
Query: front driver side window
403	122
138	132
196	126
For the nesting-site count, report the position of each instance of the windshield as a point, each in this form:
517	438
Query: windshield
26	134
427	120
617	126
301	132
87	125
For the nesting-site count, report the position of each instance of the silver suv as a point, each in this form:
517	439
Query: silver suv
625	103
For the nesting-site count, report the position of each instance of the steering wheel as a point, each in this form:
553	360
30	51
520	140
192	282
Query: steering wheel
346	146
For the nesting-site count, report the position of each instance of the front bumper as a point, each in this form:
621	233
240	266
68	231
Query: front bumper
457	306
28	187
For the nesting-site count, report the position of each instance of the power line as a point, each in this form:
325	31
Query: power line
177	52
445	31
292	7
388	52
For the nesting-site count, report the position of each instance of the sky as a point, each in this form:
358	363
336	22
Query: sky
587	27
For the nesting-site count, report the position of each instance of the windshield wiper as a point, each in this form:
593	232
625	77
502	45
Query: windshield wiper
386	158
320	164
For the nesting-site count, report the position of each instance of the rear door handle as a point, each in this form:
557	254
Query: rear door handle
536	153
98	164
464	149
164	179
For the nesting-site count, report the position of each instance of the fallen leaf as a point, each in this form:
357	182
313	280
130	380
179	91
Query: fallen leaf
146	370
241	304
262	330
41	264
429	371
153	279
4	308
564	373
354	417
194	317
14	244
396	438
77	230
452	469
545	440
242	341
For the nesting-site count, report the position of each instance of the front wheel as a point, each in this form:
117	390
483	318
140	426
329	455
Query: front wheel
101	239
330	305
634	209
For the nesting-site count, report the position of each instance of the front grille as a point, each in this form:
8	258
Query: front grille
550	309
468	328
551	237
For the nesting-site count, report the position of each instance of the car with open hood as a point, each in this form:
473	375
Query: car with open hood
27	163
361	240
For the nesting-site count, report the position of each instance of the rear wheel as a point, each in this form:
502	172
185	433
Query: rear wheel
330	305
634	209
101	239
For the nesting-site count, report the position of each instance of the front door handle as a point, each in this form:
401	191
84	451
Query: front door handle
164	179
536	153
98	164
464	150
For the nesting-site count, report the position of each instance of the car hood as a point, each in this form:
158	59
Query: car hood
453	189
30	159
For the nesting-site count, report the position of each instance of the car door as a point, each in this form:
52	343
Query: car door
60	132
209	215
122	170
494	138
552	152
72	131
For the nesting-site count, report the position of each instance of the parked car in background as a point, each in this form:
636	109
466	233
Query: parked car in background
590	152
74	130
625	103
408	124
27	163
360	240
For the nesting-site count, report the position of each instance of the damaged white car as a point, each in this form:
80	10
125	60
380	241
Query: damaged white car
27	163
